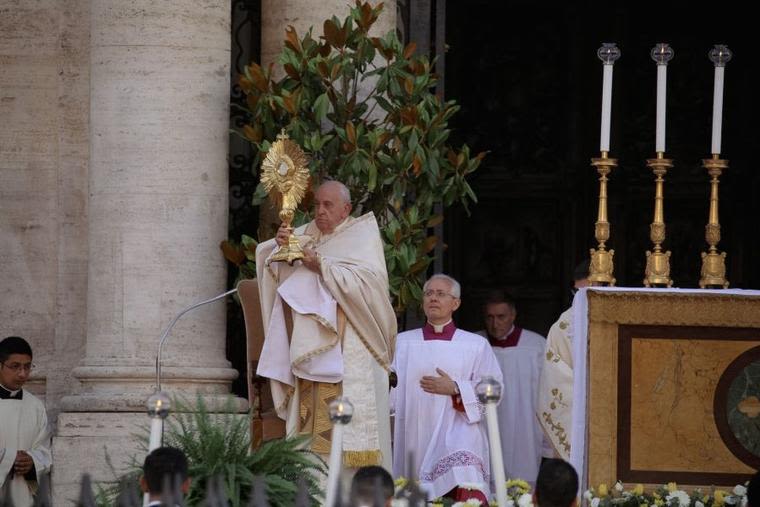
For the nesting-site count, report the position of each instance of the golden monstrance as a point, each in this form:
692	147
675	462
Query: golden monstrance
284	170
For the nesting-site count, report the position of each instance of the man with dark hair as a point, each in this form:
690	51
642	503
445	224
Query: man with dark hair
372	486
555	392
556	485
519	353
165	466
24	438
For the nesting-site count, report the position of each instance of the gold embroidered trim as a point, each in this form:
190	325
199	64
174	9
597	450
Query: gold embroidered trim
321	350
356	459
558	430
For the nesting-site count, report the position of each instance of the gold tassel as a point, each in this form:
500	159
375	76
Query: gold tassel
356	459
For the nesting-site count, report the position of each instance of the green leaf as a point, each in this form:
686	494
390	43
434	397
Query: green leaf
320	107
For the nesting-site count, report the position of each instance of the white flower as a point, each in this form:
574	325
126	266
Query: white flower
595	502
473	502
744	501
619	486
525	500
471	485
588	495
698	504
683	499
510	503
740	490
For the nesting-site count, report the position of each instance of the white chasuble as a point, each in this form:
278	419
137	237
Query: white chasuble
329	334
23	427
555	395
448	447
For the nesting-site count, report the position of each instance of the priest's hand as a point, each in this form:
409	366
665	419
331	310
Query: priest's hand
23	463
439	385
283	233
312	260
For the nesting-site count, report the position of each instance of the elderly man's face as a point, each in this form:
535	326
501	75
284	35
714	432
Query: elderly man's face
499	319
438	303
330	209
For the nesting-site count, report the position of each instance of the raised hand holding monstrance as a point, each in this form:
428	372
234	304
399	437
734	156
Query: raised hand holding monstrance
284	170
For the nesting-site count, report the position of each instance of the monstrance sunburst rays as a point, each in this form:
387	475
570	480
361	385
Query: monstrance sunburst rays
284	170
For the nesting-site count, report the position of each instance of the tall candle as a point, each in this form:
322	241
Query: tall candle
497	461
608	53
662	54
719	55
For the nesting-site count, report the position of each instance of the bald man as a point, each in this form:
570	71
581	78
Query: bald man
330	328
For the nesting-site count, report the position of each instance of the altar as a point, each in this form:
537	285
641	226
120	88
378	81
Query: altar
667	386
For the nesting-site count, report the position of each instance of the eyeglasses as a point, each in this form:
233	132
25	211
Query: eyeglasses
15	367
437	293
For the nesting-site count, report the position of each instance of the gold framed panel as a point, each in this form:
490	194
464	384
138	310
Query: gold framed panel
651	418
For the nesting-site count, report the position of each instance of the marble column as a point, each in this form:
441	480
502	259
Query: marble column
157	212
159	99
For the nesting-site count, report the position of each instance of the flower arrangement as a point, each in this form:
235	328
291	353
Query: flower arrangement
667	495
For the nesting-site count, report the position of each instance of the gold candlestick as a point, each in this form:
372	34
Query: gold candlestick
713	275
657	273
602	267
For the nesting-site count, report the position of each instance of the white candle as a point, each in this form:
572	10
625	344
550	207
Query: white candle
335	463
497	461
604	143
717	109
662	75
156	428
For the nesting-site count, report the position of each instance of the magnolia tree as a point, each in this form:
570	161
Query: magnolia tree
364	109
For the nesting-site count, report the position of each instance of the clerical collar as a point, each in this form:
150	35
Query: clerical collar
7	394
439	331
511	340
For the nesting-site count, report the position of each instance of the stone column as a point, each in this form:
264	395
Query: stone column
159	112
159	99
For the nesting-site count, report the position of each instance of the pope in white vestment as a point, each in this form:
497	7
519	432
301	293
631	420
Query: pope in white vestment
23	428
439	421
330	329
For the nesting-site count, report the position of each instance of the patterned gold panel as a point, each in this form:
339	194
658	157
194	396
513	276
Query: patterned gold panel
608	313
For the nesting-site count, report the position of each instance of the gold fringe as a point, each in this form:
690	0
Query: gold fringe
356	459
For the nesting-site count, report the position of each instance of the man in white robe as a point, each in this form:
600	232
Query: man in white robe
439	421
555	391
520	355
24	438
330	328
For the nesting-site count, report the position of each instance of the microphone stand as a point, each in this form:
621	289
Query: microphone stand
165	335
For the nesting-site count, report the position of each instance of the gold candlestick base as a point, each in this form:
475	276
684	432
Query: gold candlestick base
713	274
657	272
602	266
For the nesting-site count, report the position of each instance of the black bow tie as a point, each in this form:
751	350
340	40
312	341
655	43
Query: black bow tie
7	395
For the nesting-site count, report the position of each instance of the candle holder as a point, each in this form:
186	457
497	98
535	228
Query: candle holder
713	274
602	266
488	391
158	406
657	273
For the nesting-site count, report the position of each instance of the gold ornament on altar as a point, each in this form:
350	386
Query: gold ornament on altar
284	171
